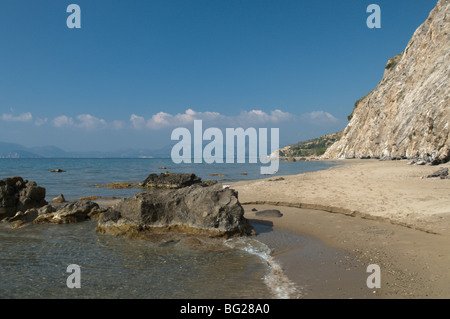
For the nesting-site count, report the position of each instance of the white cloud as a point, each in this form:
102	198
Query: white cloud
62	121
163	120
90	122
85	121
320	117
159	120
261	117
24	117
138	122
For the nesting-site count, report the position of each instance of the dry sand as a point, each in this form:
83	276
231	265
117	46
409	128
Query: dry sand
366	212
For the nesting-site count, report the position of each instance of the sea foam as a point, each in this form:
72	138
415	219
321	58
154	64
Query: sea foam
279	284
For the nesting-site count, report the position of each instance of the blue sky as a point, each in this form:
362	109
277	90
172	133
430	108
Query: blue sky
138	69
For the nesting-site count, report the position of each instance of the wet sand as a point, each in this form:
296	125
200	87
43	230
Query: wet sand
373	212
333	261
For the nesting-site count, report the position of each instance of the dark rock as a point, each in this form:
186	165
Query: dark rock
254	210
441	173
213	211
276	179
435	162
269	213
170	181
70	213
17	194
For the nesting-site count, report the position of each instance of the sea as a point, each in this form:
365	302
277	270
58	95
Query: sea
35	259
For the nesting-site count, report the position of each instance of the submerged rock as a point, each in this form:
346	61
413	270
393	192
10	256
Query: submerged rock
269	213
58	171
17	194
214	211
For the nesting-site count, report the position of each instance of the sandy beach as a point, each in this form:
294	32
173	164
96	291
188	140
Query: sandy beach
367	212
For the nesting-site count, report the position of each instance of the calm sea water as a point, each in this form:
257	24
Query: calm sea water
82	175
34	259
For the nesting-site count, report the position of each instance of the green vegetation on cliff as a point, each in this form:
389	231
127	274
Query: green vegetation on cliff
314	147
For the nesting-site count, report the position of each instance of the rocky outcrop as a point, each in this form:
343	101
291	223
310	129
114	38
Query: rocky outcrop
22	218
441	173
59	199
213	210
17	194
172	181
70	213
408	113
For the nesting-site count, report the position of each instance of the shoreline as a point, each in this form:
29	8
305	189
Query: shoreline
341	240
411	247
394	192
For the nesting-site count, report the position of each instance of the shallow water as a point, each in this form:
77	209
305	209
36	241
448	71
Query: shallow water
34	261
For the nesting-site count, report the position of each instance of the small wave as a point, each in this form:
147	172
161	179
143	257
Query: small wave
279	284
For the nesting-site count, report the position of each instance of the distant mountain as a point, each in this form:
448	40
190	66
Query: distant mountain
48	151
11	150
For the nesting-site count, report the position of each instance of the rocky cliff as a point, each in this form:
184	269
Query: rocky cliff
408	113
